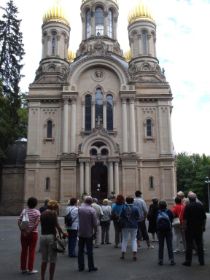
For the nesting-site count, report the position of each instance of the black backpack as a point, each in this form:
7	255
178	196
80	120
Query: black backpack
68	219
163	221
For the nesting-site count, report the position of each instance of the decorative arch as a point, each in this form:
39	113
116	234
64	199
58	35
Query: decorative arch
99	136
86	63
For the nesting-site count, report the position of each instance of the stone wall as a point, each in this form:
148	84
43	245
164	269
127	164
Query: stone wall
12	190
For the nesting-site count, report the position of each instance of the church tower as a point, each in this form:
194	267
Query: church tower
99	121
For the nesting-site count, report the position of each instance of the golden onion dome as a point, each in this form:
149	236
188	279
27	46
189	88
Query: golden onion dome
141	12
55	13
116	1
71	56
127	55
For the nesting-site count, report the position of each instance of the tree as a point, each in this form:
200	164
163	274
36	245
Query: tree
11	55
191	173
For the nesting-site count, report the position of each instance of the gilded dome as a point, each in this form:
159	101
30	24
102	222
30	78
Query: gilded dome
55	13
71	56
83	1
127	55
141	12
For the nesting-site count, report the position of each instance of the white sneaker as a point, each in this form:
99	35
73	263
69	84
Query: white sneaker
32	271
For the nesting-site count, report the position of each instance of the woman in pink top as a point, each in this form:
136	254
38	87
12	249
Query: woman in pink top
29	237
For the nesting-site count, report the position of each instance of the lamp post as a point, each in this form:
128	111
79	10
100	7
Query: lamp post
207	181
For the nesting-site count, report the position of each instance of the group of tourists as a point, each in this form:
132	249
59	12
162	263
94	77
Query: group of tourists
88	224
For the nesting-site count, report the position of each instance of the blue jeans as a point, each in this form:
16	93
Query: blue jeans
72	241
162	236
88	242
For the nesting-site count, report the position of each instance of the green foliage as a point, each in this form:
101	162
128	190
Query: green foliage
13	117
192	171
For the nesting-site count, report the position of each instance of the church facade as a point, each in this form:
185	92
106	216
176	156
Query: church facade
99	121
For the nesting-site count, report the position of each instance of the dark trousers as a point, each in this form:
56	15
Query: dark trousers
72	241
142	231
118	232
192	237
88	243
162	236
105	231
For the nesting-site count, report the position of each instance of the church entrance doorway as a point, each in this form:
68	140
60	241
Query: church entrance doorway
99	181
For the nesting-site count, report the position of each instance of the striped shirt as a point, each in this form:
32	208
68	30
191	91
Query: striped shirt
34	218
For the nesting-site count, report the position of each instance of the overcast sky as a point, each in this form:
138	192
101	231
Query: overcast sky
183	47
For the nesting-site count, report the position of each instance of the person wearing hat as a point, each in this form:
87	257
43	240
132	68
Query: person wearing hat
105	221
194	220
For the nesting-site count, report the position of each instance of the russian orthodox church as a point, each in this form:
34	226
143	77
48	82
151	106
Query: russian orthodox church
99	120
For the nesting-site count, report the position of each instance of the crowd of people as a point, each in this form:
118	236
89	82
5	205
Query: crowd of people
181	225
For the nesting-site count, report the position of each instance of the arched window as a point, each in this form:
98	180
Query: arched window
149	128
110	24
88	24
93	152
47	184
88	101
144	43
99	107
54	43
99	21
49	129
109	112
104	152
151	182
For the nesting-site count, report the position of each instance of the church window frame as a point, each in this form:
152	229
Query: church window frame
53	43
110	24
149	128
49	131
144	36
151	182
99	98
47	184
109	112
88	112
99	21
88	23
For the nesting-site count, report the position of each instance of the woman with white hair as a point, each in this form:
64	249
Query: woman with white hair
105	221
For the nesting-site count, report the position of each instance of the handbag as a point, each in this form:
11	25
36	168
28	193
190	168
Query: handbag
59	244
25	220
176	222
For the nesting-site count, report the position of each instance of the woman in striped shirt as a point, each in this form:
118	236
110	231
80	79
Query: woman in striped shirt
29	236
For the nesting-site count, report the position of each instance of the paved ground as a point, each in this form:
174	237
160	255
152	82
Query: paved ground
107	259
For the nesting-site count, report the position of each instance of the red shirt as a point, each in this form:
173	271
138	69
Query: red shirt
178	210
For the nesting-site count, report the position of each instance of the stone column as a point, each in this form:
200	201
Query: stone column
132	126
87	177
82	190
111	178
104	115
116	178
73	125
65	125
93	121
125	126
